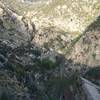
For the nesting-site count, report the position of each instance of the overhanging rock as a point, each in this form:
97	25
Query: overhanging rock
92	91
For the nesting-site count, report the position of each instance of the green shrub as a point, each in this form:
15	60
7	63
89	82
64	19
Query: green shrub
36	52
93	73
46	64
4	96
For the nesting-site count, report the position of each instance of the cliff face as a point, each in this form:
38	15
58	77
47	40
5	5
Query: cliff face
87	49
67	15
58	22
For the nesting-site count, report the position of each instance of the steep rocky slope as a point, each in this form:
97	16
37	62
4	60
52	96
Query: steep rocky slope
44	51
87	49
67	15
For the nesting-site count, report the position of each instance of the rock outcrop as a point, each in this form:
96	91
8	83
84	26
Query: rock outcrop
14	27
87	49
91	90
